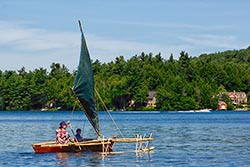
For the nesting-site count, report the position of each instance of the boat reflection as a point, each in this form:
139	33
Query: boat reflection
62	159
87	158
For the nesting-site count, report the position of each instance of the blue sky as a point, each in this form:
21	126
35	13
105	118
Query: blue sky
36	33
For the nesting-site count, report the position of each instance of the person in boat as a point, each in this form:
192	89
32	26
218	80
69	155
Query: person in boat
62	136
78	135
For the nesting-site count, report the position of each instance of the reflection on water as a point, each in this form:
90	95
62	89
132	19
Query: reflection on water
62	159
79	159
97	159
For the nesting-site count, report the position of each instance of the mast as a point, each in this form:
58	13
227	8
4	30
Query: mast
83	88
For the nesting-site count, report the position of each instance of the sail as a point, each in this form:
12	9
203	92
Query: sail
84	85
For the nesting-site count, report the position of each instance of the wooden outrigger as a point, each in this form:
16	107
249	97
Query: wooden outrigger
104	146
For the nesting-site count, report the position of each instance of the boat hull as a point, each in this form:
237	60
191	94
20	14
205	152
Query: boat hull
88	146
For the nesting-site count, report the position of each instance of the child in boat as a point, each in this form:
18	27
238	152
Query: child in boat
78	135
62	136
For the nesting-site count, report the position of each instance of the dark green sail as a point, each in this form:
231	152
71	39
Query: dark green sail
84	85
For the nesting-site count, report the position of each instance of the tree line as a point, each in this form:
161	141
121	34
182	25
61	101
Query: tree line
184	84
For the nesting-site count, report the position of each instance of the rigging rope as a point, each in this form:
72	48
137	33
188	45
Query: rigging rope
106	109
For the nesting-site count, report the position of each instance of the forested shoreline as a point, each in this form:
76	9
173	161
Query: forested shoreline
188	83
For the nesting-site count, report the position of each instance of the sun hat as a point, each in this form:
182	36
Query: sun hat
63	123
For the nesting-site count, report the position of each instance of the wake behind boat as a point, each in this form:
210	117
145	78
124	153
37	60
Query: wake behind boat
83	91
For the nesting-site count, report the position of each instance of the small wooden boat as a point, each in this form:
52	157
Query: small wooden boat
89	145
83	90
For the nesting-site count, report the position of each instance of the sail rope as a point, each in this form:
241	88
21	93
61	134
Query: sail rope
106	109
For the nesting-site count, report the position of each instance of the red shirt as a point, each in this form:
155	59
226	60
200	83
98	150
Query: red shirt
62	136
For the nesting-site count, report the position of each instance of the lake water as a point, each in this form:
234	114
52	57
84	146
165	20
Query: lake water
180	139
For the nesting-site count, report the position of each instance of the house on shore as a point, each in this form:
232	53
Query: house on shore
222	105
151	99
236	98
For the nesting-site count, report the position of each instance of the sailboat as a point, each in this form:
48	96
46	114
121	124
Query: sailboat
83	91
